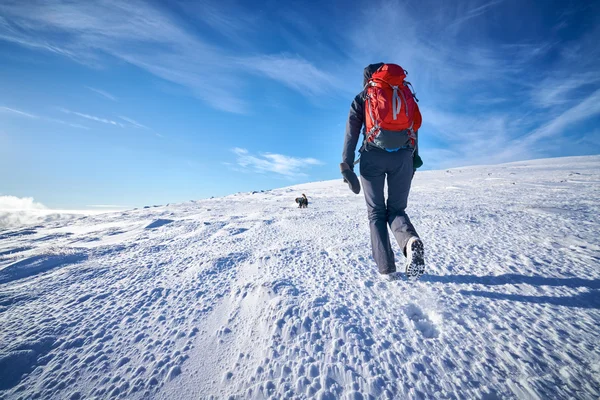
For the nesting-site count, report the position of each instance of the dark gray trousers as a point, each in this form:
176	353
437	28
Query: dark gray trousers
375	166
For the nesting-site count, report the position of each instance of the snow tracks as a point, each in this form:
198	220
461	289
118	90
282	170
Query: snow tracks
250	297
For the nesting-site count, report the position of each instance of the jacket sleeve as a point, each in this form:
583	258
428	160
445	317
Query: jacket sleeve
353	127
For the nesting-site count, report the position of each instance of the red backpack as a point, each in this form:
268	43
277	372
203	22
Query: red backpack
392	114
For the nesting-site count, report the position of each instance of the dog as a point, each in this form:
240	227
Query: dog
302	201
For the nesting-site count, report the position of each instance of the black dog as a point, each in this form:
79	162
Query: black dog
302	201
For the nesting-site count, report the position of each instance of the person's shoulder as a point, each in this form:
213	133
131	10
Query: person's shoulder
360	98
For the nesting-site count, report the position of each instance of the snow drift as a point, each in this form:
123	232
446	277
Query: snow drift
250	297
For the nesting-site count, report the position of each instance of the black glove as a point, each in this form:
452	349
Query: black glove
350	178
417	162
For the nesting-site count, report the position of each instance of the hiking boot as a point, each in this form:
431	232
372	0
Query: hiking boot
415	258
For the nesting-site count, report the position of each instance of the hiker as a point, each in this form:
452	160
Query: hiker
388	111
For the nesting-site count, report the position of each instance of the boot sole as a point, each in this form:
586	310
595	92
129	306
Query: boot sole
415	266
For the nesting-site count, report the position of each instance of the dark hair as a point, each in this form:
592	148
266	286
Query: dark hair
369	71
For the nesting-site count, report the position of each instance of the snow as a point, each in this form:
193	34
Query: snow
248	296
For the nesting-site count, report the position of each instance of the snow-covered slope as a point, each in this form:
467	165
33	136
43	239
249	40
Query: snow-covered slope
250	297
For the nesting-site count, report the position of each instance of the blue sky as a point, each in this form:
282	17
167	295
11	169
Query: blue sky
129	103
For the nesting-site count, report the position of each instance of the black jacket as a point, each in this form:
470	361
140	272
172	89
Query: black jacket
356	122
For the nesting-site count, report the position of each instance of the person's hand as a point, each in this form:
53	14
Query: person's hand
350	178
349	168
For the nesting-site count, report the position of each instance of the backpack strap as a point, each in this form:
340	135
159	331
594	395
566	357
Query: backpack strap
412	90
376	127
397	104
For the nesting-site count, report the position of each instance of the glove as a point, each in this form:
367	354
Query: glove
350	178
417	162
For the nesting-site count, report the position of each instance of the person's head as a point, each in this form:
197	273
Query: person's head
369	71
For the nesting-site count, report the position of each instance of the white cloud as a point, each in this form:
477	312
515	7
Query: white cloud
290	167
481	98
19	211
102	93
92	118
491	139
151	38
239	151
28	115
588	107
60	121
294	72
16	211
467	78
133	122
13	203
555	91
475	12
21	113
476	139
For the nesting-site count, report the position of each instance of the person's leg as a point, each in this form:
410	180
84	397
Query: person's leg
399	178
372	175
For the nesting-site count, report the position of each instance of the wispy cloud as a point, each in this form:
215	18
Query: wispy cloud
294	72
133	122
32	116
102	93
587	108
490	139
139	125
145	35
229	19
473	138
21	113
483	100
60	121
479	91
560	90
474	12
287	166
92	118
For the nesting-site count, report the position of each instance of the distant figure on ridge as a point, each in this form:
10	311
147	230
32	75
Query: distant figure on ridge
388	110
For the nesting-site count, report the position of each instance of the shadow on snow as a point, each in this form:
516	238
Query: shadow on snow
581	300
513	279
589	299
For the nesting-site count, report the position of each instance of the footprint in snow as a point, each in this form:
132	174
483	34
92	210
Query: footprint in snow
421	321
